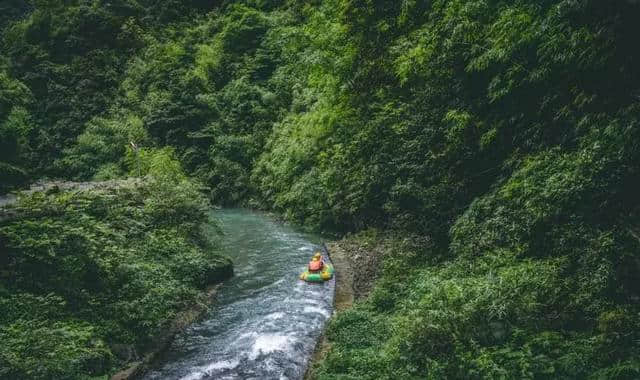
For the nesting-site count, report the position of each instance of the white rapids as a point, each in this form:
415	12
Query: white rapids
265	322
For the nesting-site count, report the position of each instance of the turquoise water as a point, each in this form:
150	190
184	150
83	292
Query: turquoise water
265	321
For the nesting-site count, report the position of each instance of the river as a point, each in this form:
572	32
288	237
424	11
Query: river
265	322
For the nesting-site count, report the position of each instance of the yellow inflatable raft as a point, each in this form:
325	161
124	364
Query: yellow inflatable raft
326	273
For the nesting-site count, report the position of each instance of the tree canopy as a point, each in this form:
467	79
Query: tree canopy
504	133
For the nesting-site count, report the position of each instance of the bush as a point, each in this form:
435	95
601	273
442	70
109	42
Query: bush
90	270
496	315
52	349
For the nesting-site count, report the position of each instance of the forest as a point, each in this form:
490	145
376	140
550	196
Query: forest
490	147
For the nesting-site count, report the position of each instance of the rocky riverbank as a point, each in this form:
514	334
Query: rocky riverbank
356	271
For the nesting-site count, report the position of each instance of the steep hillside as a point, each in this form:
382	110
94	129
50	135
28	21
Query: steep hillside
493	144
90	278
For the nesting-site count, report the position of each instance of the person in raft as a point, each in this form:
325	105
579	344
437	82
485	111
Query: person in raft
316	263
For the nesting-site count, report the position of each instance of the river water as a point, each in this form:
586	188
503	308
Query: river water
265	322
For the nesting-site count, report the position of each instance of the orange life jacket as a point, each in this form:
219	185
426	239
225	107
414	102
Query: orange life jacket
315	265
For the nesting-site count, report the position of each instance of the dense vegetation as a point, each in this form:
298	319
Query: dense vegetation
89	278
498	140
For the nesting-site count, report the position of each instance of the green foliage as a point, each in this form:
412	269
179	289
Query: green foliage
494	129
85	272
493	316
16	129
70	348
100	150
72	56
502	137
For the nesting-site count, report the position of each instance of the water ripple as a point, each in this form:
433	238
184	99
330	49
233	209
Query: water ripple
265	322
